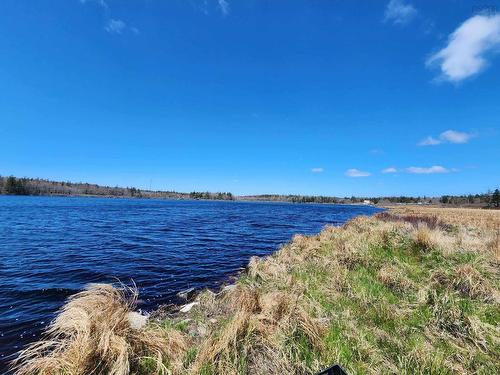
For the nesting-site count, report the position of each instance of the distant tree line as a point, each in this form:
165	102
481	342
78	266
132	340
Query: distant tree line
401	199
292	198
489	199
207	195
12	185
36	186
328	199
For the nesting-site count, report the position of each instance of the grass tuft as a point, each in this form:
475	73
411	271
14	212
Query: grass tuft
93	333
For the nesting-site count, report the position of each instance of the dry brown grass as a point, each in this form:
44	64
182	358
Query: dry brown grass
468	217
471	283
392	277
467	281
462	228
92	334
423	237
253	335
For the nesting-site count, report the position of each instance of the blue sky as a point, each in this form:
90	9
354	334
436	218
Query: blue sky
307	97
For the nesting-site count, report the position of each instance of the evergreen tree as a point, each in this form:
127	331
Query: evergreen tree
487	198
10	185
495	199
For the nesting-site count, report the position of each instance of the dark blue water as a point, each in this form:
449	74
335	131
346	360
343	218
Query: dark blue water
50	247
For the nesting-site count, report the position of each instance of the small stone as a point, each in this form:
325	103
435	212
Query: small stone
136	320
202	330
188	307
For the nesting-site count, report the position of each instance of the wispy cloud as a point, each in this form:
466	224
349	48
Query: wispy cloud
101	3
353	172
399	13
453	136
429	170
376	151
429	141
468	45
317	170
448	136
223	6
389	170
115	26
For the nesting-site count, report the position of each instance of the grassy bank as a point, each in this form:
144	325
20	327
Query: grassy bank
413	290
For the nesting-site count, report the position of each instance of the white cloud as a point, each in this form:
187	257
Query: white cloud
399	13
135	30
224	6
353	172
464	56
317	170
453	136
389	170
430	170
115	26
448	136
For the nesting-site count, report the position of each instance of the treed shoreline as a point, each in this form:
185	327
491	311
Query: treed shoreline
42	187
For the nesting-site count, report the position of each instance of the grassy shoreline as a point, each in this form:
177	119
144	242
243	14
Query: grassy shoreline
412	290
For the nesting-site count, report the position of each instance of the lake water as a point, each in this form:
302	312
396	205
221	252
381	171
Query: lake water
50	247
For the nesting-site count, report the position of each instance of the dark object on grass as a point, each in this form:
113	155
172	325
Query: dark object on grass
334	370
